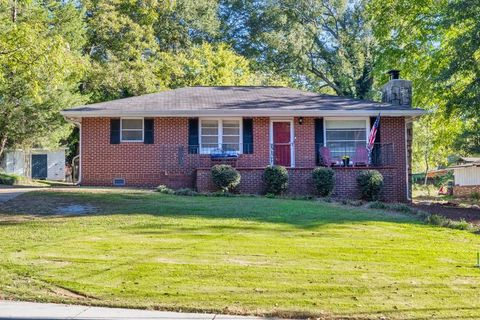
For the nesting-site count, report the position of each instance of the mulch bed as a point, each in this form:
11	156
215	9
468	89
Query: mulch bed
452	211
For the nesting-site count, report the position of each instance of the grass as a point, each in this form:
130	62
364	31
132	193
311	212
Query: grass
245	255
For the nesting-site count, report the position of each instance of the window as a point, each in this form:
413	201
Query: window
343	137
220	135
132	130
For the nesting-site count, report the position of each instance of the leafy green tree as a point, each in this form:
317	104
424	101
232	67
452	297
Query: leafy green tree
433	143
323	44
127	41
39	69
434	43
460	54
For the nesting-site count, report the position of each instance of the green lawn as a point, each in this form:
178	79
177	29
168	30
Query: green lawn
242	255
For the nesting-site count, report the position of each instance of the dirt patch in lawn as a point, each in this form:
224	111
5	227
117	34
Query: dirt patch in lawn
38	204
451	210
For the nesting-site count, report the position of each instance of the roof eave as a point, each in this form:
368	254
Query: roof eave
245	113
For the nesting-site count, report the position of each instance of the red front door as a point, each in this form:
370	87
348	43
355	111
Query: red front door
282	143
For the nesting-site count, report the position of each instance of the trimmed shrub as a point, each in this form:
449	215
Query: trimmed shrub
225	177
324	180
164	189
370	183
275	179
185	192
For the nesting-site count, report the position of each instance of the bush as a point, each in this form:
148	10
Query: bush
225	177
475	196
185	192
441	221
370	183
275	179
378	205
324	181
164	189
8	179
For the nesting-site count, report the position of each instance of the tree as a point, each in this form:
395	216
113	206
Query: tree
39	70
460	72
434	137
127	42
433	42
323	44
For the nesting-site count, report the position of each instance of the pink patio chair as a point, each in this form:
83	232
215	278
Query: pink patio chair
326	156
360	157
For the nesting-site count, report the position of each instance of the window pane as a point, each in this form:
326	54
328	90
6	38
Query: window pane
209	139
132	123
345	124
231	131
135	135
231	139
336	135
209	124
209	131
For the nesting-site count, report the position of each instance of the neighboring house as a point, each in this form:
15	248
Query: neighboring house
36	163
467	176
174	137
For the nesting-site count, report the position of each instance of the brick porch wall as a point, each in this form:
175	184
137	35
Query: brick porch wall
150	165
465	191
301	182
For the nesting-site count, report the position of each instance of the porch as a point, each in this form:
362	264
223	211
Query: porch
197	165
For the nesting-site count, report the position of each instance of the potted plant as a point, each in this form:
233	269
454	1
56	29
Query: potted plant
346	161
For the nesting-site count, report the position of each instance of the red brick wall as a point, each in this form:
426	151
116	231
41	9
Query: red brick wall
393	131
465	191
166	163
139	164
301	183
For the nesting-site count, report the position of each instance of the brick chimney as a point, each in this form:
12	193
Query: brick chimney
397	91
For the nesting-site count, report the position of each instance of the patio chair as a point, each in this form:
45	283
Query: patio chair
360	158
326	156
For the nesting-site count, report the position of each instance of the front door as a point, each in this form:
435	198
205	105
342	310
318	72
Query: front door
39	166
282	144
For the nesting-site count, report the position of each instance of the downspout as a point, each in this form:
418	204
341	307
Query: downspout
79	156
407	162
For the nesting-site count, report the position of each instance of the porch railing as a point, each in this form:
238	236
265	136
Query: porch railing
382	154
281	153
186	158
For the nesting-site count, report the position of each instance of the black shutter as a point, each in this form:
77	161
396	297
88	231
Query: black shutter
193	136
377	147
114	131
148	131
318	138
248	136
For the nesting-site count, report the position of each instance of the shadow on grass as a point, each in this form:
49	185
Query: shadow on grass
299	213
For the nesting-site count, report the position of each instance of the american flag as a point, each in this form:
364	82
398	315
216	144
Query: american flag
373	134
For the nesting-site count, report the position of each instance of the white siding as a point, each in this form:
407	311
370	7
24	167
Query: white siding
467	176
14	163
56	165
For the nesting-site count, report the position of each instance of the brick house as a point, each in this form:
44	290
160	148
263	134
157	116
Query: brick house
174	137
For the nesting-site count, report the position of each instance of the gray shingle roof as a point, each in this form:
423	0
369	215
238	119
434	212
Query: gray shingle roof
245	101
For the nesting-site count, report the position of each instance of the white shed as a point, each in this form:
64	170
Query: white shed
36	163
467	174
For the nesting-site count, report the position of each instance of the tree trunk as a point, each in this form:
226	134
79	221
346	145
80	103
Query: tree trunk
3	144
426	169
14	11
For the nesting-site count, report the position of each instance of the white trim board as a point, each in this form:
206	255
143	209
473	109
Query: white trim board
243	113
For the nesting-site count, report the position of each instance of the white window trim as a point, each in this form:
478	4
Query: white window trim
220	132
367	126
121	129
292	138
